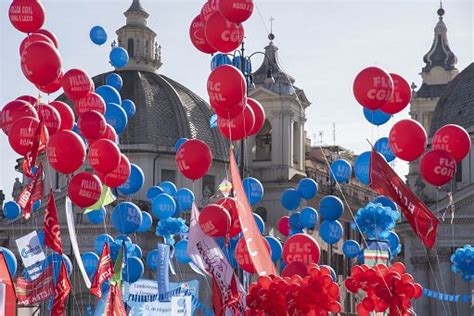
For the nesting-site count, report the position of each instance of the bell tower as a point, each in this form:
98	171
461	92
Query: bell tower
139	40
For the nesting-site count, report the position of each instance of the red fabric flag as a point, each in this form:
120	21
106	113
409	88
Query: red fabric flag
36	291
105	270
39	143
259	253
385	181
51	228
7	290
114	305
32	192
61	292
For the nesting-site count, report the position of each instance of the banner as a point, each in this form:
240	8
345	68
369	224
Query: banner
32	192
162	274
31	252
7	290
261	258
385	181
104	271
466	298
51	227
36	291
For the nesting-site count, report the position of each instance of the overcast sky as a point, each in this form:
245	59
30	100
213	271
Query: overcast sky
323	44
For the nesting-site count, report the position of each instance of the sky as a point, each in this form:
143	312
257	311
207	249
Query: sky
322	44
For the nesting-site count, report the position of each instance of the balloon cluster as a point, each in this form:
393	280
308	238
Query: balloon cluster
169	201
316	293
331	209
386	288
375	221
463	262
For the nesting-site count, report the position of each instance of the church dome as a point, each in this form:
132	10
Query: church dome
456	105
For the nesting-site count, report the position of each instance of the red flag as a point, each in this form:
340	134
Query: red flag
61	292
105	270
51	228
259	253
36	291
7	290
39	143
32	192
114	305
385	181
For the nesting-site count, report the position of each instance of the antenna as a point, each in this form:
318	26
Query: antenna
321	135
334	133
271	24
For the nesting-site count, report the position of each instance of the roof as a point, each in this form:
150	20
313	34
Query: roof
166	111
136	7
456	105
431	91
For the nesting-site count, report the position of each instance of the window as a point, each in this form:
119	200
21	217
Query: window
208	188
131	48
296	143
168	175
459	172
263	143
324	257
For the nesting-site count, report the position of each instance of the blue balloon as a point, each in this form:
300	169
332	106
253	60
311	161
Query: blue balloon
154	191
331	207
253	189
307	188
116	117
331	231
382	146
122	239
351	248
184	199
181	252
147	221
90	261
41	237
97	216
387	202
135	181
394	243
56	260
275	247
126	217
179	142
10	258
98	35
219	60
136	251
341	170
163	206
100	241
237	62
308	217
109	94
294	222
331	270
376	117
152	259
290	199
260	222
362	168
11	210
133	269
129	108
114	80
168	187
118	57
36	206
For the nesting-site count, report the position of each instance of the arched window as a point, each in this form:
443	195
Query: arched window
131	48
296	143
263	143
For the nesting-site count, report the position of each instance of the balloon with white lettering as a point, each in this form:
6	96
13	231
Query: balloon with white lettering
244	253
308	217
126	217
376	117
382	146
226	87
408	139
198	37
372	87
194	159
301	248
238	127
66	114
33	38
351	248
66	152
104	156
13	111
41	63
230	204
77	84
163	206
341	170
134	182
223	35
50	117
236	11
307	188
438	167
22	134
90	102
119	175
253	190
290	199
26	16
84	189
294	222
98	35
116	116
152	259
454	139
362	167
214	220
400	98
91	125
331	231
184	199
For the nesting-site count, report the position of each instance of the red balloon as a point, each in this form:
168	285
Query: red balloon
454	139
22	134
226	87
110	133
368	303
239	127
66	114
53	86
361	311
438	167
27	16
301	247
295	268
407	139
50	35
398	267
194	159
230	204
242	255
259	114
198	37
104	156
284	226
233	112
91	102
28	98
13	111
236	11
84	189
400	98
76	84
41	63
418	290
66	152
222	35
372	87
33	38
92	125
208	9
214	220
50	117
119	175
